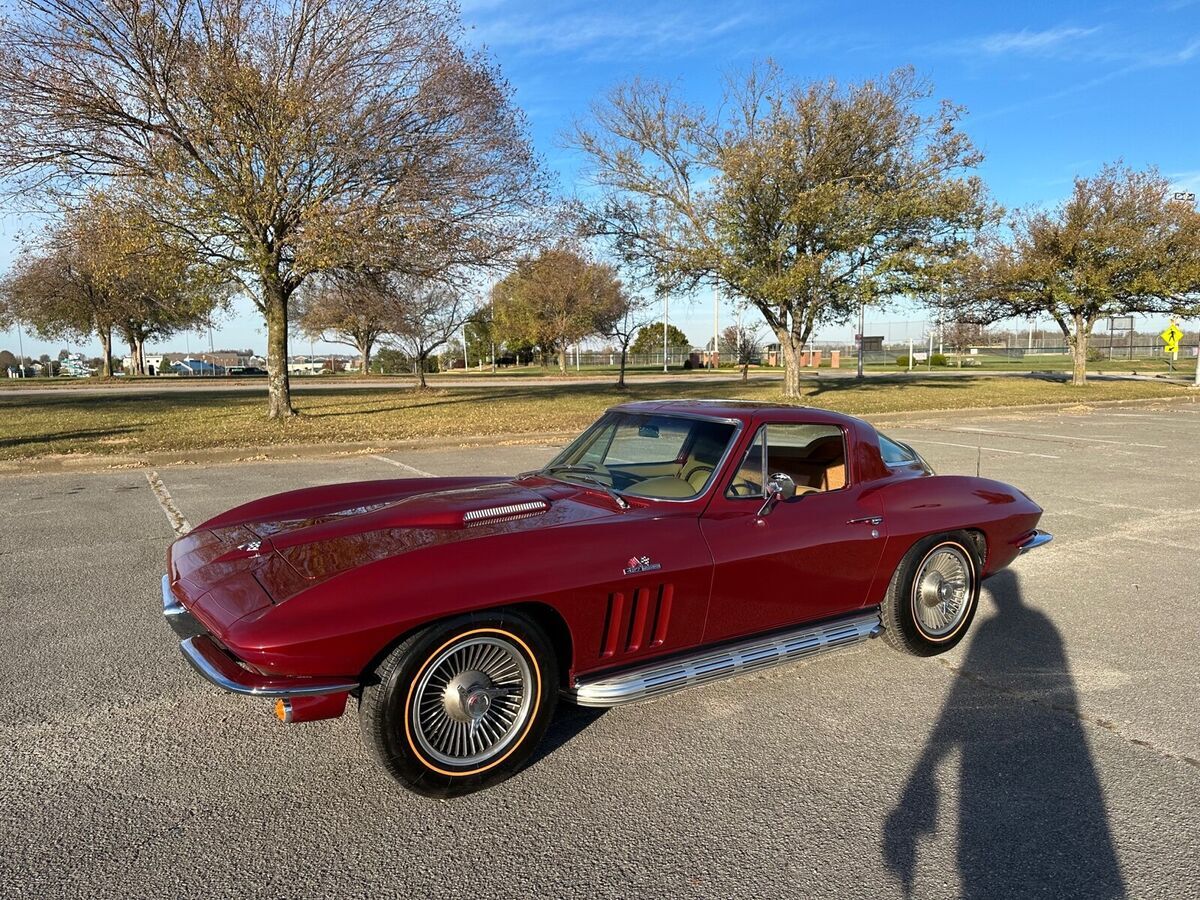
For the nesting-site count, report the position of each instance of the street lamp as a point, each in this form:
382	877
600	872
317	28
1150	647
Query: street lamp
666	317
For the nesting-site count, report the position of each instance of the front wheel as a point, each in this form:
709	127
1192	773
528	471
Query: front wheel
462	704
932	596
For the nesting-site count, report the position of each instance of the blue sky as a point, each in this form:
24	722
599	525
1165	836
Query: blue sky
1052	89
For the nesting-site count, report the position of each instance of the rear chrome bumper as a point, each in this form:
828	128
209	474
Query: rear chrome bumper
225	671
1035	540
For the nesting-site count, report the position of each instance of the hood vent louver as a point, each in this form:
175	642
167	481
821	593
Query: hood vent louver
491	513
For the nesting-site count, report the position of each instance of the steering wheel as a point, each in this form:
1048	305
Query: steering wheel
702	467
745	489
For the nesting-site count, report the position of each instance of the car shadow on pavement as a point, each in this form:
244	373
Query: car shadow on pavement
1031	813
569	722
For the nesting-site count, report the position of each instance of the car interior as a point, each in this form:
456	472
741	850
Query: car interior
674	458
671	458
813	456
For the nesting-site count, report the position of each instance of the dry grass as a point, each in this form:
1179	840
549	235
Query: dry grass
127	422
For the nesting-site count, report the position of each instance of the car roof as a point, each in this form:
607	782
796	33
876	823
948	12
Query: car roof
742	410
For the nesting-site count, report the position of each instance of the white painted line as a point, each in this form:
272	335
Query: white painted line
1059	437
1181	419
179	523
405	466
991	449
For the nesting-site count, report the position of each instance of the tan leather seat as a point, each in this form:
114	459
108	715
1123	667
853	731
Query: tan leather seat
827	459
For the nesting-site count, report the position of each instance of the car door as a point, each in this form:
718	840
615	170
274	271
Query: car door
809	557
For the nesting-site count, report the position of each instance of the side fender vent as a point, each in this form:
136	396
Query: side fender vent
643	624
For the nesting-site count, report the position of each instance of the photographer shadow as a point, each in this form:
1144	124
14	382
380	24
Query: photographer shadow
1031	812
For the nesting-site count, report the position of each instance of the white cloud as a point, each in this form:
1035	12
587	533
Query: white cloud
1050	40
604	35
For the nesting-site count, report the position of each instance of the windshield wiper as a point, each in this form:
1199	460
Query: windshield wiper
587	475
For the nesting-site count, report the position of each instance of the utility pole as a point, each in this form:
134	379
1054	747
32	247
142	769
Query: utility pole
666	317
21	351
861	313
492	323
716	327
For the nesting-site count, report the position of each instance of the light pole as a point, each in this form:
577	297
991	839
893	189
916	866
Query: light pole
492	324
666	317
1197	357
716	327
861	325
21	351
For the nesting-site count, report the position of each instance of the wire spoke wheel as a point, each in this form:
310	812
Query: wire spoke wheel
942	591
472	701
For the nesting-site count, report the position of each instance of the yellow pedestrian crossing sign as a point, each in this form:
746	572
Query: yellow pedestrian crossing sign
1171	338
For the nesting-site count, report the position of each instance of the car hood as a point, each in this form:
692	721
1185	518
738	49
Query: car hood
311	535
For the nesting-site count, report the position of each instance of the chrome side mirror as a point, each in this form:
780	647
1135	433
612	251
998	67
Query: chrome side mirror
779	487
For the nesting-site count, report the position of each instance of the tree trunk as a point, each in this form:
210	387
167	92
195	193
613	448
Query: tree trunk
106	346
621	376
127	334
365	350
745	371
279	388
139	356
562	360
1080	347
789	346
421	373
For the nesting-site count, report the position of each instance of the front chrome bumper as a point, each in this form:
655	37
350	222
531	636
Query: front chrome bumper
1035	540
225	671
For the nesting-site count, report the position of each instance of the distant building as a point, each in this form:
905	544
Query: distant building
74	365
304	366
192	366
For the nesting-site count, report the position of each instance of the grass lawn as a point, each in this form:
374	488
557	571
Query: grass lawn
128	423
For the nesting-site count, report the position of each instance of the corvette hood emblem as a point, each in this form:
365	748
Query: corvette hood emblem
637	564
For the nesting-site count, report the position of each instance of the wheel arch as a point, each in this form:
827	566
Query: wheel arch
542	614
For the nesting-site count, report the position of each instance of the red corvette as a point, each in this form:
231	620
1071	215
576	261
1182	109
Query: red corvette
671	544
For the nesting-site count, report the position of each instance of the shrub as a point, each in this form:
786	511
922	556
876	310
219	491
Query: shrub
902	361
938	359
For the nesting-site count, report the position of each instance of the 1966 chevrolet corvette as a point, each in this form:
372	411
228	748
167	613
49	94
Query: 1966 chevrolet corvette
673	543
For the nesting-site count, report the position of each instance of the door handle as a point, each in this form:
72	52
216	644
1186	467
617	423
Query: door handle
866	520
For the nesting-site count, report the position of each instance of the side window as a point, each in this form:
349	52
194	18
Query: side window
814	456
748	480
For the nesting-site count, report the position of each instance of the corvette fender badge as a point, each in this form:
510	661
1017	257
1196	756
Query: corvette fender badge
637	564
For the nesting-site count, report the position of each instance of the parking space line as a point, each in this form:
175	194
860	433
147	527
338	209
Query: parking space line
405	466
1059	437
179	522
990	449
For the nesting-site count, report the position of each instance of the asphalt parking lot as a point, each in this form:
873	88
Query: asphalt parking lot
1055	753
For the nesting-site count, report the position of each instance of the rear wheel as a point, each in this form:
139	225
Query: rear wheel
462	704
933	595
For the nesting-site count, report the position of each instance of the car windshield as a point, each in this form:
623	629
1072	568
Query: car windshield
646	455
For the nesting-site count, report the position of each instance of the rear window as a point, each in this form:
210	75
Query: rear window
896	454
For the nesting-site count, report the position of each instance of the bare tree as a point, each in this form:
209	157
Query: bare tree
350	308
745	347
808	200
425	315
1119	244
635	316
282	137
